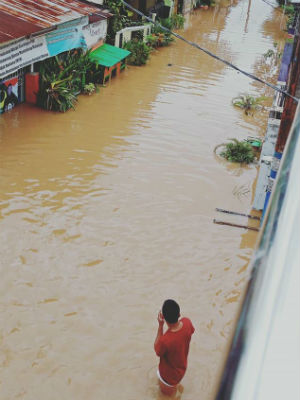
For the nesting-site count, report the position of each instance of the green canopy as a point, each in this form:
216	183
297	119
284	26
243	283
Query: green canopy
108	55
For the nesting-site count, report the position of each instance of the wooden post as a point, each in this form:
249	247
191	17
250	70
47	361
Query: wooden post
106	74
118	68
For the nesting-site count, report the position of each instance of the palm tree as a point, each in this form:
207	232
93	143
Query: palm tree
248	103
237	151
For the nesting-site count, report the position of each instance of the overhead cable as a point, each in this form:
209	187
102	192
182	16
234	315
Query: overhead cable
197	46
270	4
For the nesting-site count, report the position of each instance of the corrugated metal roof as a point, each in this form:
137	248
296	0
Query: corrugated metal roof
19	18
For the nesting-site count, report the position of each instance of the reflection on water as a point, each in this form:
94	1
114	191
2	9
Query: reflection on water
107	211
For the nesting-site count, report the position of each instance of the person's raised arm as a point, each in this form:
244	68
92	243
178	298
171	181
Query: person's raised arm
160	331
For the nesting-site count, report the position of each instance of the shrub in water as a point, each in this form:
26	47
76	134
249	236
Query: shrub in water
89	88
247	102
139	52
238	151
177	21
158	40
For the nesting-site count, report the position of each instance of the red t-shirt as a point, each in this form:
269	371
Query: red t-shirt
173	348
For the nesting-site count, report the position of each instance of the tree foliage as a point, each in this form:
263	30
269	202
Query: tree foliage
63	77
248	103
121	18
238	151
139	52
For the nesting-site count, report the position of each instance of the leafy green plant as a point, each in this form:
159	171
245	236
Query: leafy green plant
157	29
139	52
166	40
56	95
121	19
177	21
89	88
290	20
167	23
82	68
152	41
139	35
248	103
163	38
269	53
273	54
289	11
63	77
237	151
158	40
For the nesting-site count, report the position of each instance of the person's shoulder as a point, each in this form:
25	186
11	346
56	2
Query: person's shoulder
188	323
165	337
186	320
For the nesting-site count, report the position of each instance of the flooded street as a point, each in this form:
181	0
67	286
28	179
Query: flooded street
106	211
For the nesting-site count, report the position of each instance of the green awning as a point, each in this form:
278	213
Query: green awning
108	55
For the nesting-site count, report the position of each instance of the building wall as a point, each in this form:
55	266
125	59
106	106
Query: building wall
265	178
266	157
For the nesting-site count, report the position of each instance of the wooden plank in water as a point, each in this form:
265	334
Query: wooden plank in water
237	213
235	225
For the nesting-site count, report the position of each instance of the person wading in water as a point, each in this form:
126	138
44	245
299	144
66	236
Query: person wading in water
172	346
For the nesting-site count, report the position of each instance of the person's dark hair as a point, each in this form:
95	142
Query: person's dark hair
171	311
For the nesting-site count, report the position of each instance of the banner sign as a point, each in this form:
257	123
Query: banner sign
20	53
66	37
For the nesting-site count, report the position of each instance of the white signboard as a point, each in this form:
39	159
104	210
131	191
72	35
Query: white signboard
94	32
21	53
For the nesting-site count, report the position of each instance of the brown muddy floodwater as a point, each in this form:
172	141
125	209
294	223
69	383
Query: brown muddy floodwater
107	210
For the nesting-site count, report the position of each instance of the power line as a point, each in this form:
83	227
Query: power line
197	46
270	4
